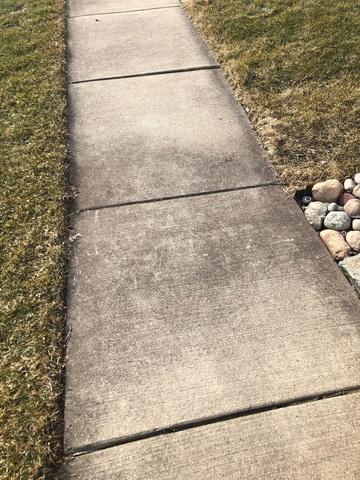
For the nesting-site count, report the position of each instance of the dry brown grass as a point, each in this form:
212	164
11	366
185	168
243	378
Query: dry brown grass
295	66
32	231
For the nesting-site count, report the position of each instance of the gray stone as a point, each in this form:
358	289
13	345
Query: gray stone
92	7
187	136
316	440
349	184
177	313
356	191
328	191
334	207
356	224
337	221
351	268
133	43
318	207
357	178
335	243
353	239
315	214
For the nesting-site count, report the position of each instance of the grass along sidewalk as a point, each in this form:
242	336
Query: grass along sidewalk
295	66
32	227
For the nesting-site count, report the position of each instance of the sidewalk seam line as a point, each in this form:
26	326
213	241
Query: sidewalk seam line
149	74
115	442
176	197
124	11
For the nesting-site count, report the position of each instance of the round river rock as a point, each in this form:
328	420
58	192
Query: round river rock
344	198
335	243
315	214
353	239
328	191
356	191
334	207
349	184
356	224
337	221
352	207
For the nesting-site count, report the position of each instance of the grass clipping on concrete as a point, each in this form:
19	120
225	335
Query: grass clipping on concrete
32	229
295	67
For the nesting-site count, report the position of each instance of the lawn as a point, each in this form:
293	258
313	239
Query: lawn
294	65
32	231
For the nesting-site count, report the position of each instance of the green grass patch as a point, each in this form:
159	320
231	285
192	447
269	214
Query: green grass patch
295	66
33	184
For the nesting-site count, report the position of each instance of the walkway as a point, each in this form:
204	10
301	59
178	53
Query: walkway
211	335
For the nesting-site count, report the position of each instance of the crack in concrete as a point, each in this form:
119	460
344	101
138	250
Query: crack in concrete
149	74
115	442
176	197
124	11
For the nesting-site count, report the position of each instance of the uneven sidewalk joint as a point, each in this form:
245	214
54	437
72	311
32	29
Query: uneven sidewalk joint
150	74
104	445
178	197
124	11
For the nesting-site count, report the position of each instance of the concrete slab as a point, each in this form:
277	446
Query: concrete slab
93	7
133	43
160	136
187	309
317	440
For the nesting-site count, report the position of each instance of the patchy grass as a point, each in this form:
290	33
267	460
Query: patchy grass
295	66
32	228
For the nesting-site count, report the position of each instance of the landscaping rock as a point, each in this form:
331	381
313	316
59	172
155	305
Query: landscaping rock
356	224
351	267
328	191
352	207
349	184
338	221
335	243
353	239
344	198
334	207
356	191
316	213
357	178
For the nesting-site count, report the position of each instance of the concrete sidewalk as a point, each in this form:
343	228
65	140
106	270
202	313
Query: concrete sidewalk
209	325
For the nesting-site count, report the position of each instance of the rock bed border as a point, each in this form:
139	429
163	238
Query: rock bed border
332	208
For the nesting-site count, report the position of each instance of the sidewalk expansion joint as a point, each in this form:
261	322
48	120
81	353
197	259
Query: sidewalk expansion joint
150	74
124	11
115	442
176	197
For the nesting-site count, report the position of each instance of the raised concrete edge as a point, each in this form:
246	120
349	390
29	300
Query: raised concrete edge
78	8
317	440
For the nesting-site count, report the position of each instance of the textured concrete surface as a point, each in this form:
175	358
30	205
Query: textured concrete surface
144	138
133	43
92	7
313	441
191	308
184	310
